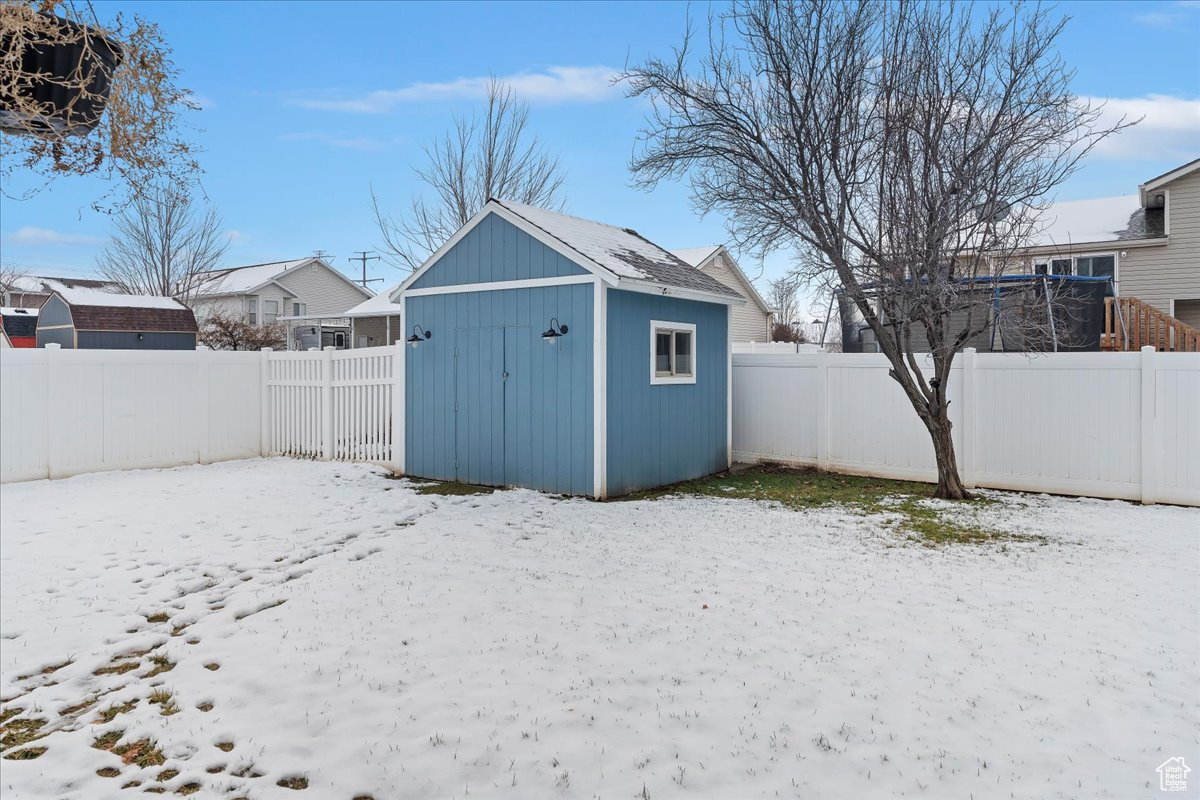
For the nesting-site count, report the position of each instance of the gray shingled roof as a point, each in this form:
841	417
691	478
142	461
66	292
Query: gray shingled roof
622	251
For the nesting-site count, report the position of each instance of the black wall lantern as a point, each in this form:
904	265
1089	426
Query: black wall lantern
419	335
554	332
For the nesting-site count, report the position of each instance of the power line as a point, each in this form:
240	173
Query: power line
364	258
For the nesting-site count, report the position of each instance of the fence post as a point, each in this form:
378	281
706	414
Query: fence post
822	410
53	397
968	417
1149	435
397	416
327	404
264	433
204	394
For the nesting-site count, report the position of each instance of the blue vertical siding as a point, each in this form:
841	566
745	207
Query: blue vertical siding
661	434
533	429
496	250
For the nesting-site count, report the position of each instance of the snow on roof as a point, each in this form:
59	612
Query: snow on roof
40	284
8	311
1104	219
380	305
696	255
622	251
233	280
77	296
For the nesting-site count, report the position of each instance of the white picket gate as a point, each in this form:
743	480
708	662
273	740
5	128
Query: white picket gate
333	404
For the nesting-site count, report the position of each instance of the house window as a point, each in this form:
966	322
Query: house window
270	311
672	352
299	309
1100	266
252	310
1096	266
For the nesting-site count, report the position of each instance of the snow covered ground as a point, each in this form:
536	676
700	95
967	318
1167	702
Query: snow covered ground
335	626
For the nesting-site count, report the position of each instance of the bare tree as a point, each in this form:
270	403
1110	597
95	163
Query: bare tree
222	331
781	295
84	98
479	158
903	149
11	278
163	244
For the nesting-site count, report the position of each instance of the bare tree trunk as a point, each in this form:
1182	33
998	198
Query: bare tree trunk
949	484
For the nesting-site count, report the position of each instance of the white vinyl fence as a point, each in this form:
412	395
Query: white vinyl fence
65	412
1123	425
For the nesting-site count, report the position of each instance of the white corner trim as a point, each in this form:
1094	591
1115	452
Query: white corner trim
599	389
497	286
729	387
667	380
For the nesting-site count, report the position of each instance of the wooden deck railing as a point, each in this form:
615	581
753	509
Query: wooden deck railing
1139	324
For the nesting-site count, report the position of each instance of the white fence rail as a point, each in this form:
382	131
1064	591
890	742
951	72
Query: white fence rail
1123	425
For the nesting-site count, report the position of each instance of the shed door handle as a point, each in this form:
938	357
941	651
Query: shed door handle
503	376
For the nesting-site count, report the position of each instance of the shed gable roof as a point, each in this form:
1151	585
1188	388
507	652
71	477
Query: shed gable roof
615	254
94	310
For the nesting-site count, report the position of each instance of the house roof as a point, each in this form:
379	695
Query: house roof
45	284
98	310
1167	177
698	256
1100	220
381	305
247	279
622	252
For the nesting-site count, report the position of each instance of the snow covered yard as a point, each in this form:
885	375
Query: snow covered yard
258	628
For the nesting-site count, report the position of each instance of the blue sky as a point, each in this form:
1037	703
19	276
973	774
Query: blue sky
306	106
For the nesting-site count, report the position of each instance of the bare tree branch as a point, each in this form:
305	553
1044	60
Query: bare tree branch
222	331
163	244
119	124
474	161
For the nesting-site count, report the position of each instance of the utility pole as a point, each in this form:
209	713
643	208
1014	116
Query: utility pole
364	258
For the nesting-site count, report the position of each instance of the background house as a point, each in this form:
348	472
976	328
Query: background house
1148	242
91	319
19	326
31	291
301	294
751	321
562	354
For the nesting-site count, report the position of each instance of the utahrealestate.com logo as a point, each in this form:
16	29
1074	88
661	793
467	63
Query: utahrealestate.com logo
1172	775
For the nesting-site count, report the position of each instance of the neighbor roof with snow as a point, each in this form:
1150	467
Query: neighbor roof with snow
696	255
1104	219
381	305
100	310
240	280
622	251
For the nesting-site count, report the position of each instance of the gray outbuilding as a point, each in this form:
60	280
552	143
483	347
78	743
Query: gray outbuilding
87	319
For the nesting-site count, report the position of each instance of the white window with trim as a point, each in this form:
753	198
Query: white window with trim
1093	265
672	352
299	309
270	311
252	310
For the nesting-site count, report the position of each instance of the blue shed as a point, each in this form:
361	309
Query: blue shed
560	354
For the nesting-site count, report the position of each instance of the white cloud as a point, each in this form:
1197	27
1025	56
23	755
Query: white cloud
1168	16
236	237
203	101
554	85
365	143
32	235
1169	130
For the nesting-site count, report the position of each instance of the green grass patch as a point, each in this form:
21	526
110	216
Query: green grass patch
295	782
163	698
118	669
802	489
161	664
109	714
82	705
16	732
9	713
108	740
143	753
451	489
26	753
